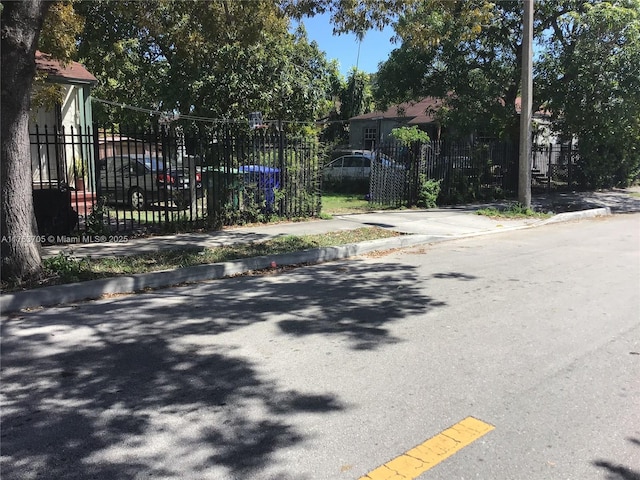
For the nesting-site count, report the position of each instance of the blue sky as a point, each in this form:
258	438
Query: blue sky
375	47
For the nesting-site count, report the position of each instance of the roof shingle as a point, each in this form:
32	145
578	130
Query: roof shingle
73	73
419	112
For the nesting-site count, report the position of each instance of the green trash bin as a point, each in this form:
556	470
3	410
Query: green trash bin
224	187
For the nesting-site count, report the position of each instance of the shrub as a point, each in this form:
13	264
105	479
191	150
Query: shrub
409	135
97	220
428	192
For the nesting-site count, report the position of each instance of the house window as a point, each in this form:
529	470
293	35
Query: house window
370	135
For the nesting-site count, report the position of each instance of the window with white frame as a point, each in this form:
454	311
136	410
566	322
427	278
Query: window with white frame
370	136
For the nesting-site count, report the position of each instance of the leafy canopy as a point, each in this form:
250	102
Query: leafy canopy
209	59
58	38
586	73
589	79
467	53
409	135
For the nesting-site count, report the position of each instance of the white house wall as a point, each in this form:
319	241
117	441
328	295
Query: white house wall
71	108
43	148
73	141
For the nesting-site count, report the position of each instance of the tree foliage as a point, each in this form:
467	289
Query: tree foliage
589	78
352	97
409	135
358	16
468	54
356	96
210	59
61	27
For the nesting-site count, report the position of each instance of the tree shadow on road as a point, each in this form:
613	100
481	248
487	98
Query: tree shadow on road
140	386
619	201
617	471
119	406
454	275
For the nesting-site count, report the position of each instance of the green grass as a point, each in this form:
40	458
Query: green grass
339	203
155	216
332	204
514	210
63	268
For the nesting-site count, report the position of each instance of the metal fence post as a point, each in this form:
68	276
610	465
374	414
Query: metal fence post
549	168
283	203
165	152
570	166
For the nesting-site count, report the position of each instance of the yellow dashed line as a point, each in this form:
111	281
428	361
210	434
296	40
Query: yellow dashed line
427	455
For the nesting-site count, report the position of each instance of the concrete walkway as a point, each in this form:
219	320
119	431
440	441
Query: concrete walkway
421	227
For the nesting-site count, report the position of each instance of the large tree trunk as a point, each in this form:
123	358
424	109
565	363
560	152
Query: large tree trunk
21	25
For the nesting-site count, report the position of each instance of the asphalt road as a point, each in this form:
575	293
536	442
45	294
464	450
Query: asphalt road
330	371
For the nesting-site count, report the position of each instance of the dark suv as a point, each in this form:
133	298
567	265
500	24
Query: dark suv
139	181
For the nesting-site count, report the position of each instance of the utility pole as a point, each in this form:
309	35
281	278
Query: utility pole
526	96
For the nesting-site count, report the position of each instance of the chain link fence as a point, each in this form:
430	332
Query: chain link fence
465	172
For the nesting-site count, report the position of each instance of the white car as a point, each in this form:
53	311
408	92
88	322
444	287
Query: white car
356	166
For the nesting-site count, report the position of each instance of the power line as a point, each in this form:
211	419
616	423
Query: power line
170	117
128	107
196	118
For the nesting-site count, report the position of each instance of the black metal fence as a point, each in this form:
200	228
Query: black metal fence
554	166
61	164
465	172
99	180
102	180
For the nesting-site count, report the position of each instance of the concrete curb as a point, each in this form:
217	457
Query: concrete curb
557	218
93	289
76	292
582	214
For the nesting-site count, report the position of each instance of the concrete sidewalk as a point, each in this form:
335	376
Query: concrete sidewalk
421	227
437	223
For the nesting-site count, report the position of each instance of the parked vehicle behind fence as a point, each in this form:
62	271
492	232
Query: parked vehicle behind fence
141	181
356	166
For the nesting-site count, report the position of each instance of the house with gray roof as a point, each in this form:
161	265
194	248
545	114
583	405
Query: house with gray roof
370	129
